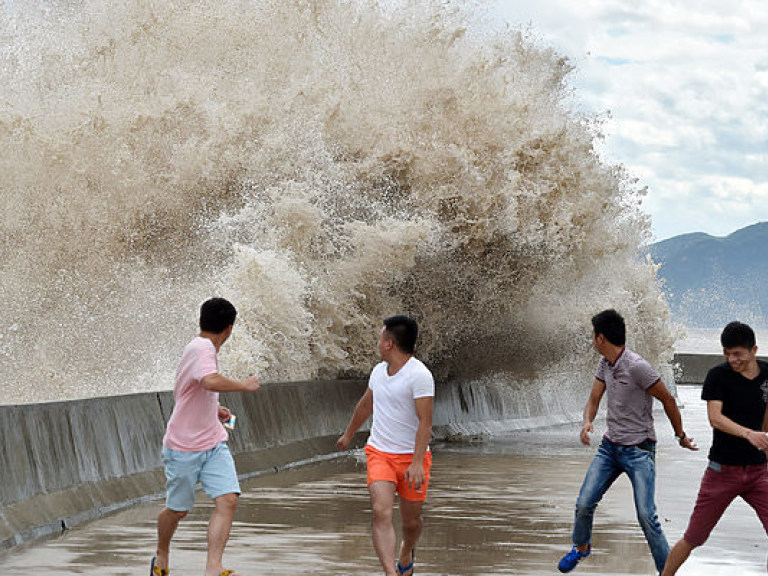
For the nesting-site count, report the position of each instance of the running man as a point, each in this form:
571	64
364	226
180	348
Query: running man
194	446
400	397
736	393
629	444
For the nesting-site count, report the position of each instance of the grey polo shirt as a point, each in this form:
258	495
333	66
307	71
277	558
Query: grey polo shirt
630	406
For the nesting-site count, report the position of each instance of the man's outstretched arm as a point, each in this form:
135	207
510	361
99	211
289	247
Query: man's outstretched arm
660	391
363	411
590	410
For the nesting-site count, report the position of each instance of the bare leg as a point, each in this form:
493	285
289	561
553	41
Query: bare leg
677	556
218	532
384	536
167	522
413	523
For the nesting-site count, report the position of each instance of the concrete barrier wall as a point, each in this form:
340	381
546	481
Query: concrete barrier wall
66	462
693	368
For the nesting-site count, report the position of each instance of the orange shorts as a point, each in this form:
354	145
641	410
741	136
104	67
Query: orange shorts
388	467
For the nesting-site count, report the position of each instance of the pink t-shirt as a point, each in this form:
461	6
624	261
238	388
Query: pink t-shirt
194	425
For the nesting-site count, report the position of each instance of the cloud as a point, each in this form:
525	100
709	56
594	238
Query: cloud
717	205
686	85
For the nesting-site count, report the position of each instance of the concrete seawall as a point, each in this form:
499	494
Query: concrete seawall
693	368
67	462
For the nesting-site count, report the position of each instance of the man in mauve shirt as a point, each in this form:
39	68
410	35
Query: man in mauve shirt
629	444
195	442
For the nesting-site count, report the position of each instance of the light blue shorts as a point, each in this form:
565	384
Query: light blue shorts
214	469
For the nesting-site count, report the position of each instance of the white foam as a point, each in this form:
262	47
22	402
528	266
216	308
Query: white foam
323	165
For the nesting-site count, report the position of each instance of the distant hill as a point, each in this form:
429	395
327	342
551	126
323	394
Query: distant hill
711	280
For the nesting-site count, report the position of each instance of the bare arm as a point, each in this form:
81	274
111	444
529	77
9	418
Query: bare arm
363	411
660	391
590	410
217	383
725	424
414	475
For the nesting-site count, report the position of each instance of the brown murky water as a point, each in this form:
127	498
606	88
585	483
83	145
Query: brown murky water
501	507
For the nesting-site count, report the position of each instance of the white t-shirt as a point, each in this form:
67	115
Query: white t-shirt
395	421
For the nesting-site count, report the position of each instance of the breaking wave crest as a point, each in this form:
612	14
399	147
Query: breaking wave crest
323	164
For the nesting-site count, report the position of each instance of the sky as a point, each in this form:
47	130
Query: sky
684	88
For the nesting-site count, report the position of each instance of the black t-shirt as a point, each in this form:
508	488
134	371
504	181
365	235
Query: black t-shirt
744	402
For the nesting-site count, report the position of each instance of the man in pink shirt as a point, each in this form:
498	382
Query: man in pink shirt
194	446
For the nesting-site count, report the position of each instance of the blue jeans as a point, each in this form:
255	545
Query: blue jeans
639	463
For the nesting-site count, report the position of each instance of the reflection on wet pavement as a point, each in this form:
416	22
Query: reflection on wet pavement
500	507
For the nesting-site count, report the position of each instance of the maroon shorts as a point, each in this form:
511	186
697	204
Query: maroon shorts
720	485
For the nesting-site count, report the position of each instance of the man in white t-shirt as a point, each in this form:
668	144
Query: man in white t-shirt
195	443
400	396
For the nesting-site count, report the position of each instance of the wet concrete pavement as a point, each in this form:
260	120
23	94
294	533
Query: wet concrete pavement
500	507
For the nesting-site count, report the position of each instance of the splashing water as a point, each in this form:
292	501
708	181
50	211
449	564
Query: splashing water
323	164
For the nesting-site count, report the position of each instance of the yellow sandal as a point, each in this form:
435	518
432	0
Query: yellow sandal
155	571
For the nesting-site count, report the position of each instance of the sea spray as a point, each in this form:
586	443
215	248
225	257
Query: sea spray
321	163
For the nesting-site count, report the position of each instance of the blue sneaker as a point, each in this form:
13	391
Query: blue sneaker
570	560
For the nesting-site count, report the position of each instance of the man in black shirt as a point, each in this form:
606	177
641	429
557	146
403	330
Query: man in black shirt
736	393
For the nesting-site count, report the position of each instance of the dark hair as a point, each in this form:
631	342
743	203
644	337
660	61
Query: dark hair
404	331
737	335
216	315
610	324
